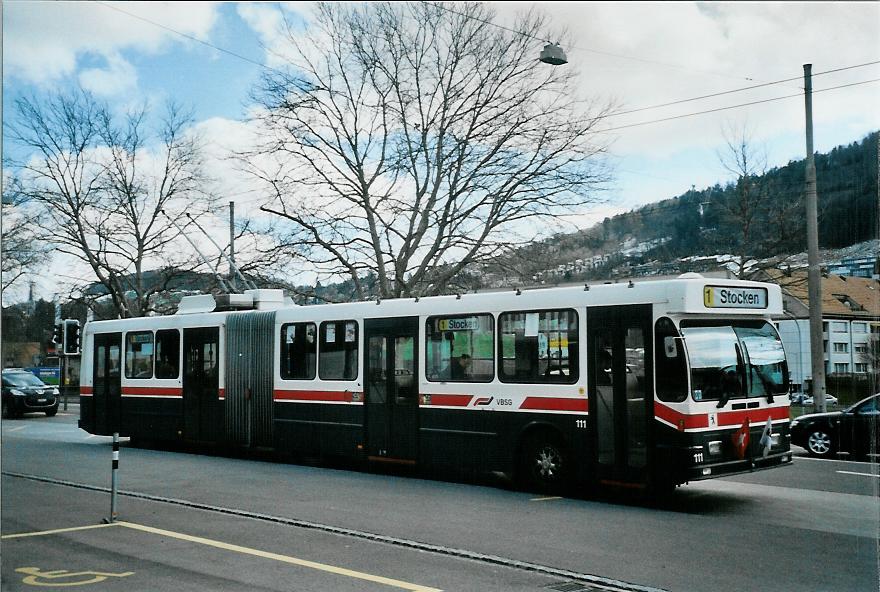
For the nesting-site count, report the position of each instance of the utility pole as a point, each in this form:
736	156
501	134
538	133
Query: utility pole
232	242
814	277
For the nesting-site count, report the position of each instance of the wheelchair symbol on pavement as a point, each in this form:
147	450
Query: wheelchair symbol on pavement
61	577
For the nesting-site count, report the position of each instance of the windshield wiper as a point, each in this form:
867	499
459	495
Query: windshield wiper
727	393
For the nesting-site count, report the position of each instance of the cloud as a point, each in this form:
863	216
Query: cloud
645	54
44	41
270	23
117	79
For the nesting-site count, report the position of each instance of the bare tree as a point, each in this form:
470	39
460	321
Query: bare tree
106	194
22	251
763	226
411	141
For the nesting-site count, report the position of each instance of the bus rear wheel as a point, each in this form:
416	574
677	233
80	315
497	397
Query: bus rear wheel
544	463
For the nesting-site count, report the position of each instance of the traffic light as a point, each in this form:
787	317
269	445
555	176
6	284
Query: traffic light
58	334
71	337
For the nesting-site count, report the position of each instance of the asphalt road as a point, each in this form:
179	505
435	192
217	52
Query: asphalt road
190	521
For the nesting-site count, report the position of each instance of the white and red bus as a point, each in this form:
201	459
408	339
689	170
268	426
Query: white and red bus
643	384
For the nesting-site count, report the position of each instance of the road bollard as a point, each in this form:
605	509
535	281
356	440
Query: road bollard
113	478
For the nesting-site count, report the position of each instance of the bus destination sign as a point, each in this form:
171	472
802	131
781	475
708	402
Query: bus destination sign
727	297
461	324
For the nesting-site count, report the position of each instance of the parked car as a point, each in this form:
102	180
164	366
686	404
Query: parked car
797	398
829	400
25	393
853	430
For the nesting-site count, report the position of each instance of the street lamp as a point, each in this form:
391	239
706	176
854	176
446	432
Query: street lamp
552	54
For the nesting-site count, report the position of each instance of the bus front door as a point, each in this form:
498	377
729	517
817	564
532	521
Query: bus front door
391	389
107	393
201	406
620	385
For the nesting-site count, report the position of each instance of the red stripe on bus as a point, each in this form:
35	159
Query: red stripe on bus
85	390
320	396
555	404
152	390
755	416
684	421
450	400
681	420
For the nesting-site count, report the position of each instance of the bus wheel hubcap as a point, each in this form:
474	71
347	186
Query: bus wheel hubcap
548	462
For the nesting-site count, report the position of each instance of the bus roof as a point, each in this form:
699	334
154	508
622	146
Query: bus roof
687	294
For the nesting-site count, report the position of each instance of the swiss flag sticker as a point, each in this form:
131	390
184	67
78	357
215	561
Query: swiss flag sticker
741	439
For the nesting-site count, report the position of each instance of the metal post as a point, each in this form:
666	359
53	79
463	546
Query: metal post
232	242
113	479
65	369
814	278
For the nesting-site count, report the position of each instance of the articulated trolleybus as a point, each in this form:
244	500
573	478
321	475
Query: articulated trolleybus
651	384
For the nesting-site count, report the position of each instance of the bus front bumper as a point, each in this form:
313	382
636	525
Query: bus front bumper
736	467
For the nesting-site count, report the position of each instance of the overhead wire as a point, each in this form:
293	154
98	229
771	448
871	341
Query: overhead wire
597	51
612	114
758	102
735	90
191	38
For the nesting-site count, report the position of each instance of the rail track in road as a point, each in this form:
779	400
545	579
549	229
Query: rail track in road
570	581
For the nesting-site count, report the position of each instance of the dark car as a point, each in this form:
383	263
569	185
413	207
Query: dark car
25	393
853	430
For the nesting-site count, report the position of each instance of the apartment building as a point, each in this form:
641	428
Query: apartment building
850	322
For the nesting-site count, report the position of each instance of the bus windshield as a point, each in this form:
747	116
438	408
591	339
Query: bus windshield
735	359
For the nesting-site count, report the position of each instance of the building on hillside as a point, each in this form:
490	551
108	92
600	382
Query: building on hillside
868	267
850	321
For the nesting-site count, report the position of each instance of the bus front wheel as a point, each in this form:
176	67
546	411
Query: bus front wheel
544	463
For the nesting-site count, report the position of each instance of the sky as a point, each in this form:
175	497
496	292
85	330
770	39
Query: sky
208	56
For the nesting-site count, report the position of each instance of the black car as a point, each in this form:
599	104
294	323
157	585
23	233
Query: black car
25	393
853	430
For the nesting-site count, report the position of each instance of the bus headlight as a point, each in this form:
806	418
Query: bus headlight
714	447
774	440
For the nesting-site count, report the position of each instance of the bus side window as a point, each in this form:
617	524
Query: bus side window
139	354
460	348
538	346
670	363
338	351
299	349
167	353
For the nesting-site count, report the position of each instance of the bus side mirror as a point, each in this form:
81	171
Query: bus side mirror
670	347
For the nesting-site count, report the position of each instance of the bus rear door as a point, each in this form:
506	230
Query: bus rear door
391	389
107	393
621	401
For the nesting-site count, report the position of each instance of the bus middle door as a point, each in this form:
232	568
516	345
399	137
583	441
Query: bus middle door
621	399
392	389
200	383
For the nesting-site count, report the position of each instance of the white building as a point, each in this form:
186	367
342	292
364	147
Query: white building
850	320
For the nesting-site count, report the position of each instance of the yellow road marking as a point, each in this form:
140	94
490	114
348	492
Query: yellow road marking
545	499
238	549
282	558
56	531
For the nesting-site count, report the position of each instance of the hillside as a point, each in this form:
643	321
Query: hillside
705	223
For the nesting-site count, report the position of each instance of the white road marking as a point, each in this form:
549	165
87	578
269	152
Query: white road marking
863	474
